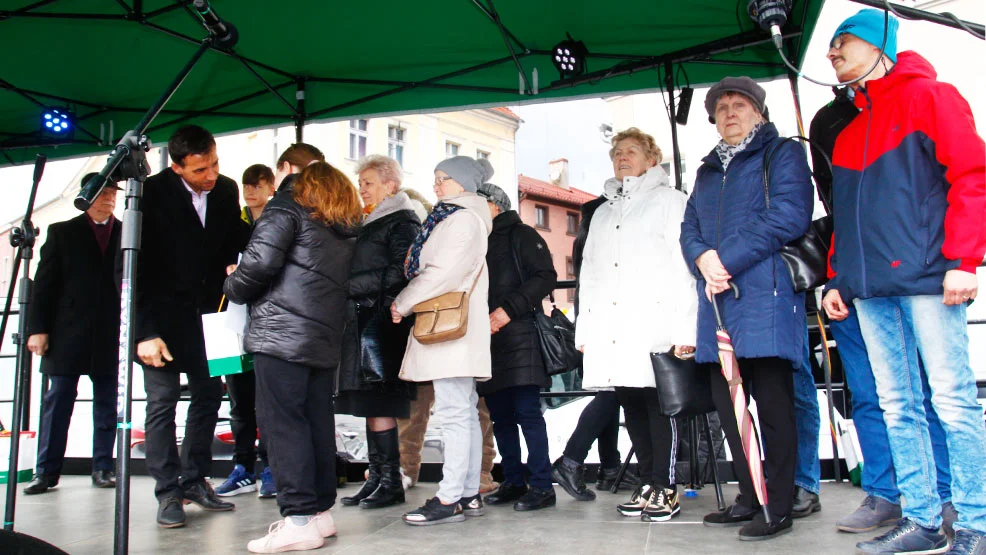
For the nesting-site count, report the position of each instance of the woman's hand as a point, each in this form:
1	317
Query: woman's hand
395	316
230	269
498	319
684	351
713	271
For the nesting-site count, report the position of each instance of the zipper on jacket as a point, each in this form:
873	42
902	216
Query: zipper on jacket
722	189
859	189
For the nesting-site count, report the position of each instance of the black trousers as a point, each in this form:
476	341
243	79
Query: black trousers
521	406
771	382
59	403
242	389
654	436
173	473
600	420
294	407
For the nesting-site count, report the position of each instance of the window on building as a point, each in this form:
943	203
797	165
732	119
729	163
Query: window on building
541	217
451	149
570	275
357	138
395	143
482	154
572	223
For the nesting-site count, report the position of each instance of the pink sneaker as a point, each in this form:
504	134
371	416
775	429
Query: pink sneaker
326	526
284	535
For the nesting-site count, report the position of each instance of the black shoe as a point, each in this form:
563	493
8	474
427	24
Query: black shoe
103	479
758	529
390	491
607	477
569	475
805	503
734	515
433	512
202	494
506	493
536	498
372	482
40	484
170	513
473	506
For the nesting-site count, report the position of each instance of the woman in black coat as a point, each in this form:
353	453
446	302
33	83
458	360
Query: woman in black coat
293	275
521	276
373	346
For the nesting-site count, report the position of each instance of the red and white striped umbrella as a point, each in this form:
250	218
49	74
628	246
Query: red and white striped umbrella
744	420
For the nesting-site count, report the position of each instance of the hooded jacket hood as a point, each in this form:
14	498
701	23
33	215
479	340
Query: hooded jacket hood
390	205
652	178
474	203
910	65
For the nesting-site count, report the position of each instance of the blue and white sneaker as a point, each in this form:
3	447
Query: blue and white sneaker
968	542
240	481
267	487
906	537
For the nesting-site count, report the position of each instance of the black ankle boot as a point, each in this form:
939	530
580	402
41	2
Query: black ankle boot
373	480
390	490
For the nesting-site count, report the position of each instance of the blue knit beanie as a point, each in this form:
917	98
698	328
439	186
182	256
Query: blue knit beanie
869	25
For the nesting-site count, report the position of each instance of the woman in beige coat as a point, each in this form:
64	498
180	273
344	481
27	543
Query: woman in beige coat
449	255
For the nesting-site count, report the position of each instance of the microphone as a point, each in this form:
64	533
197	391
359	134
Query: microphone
224	34
770	15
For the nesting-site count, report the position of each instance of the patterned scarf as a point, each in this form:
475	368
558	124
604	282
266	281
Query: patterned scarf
727	151
412	263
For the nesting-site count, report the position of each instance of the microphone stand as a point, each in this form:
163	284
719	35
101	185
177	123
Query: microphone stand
23	238
128	162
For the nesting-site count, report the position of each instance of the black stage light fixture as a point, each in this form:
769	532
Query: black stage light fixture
684	104
568	56
770	15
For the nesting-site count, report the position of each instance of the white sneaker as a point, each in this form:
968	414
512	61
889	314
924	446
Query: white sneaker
284	535
326	525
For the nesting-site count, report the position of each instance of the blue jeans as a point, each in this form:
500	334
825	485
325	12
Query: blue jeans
878	467
808	472
900	331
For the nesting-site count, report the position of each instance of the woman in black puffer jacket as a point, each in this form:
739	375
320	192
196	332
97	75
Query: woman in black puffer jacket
293	274
373	346
521	276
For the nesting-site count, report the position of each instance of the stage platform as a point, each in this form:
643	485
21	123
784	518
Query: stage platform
79	519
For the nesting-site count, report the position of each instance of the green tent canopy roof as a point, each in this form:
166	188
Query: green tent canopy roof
109	60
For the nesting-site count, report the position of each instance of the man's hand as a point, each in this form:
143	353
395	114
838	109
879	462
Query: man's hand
395	316
154	352
960	287
498	319
38	344
713	271
833	305
230	269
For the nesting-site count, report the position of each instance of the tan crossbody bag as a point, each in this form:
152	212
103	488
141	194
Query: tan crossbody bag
445	317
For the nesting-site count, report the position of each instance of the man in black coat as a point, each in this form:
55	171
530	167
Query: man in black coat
192	231
521	276
74	326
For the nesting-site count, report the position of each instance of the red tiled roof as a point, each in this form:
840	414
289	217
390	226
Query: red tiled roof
543	189
507	112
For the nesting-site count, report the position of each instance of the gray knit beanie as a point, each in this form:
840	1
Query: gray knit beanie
468	172
495	195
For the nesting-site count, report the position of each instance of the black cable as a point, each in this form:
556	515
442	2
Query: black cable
883	47
948	15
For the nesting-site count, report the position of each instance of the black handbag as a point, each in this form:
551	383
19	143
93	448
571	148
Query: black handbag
556	333
806	257
369	320
683	388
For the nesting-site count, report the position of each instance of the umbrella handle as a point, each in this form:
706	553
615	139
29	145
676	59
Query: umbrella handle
715	304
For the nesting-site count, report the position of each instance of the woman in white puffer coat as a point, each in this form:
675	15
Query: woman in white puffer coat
637	297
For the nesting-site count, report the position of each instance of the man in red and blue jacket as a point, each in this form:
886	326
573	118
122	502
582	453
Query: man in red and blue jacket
910	206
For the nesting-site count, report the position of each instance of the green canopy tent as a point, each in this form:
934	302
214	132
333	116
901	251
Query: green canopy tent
107	61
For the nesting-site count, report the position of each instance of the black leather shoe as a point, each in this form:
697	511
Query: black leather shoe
607	477
805	503
569	475
536	498
758	529
734	515
40	484
170	513
103	479
506	493
202	494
